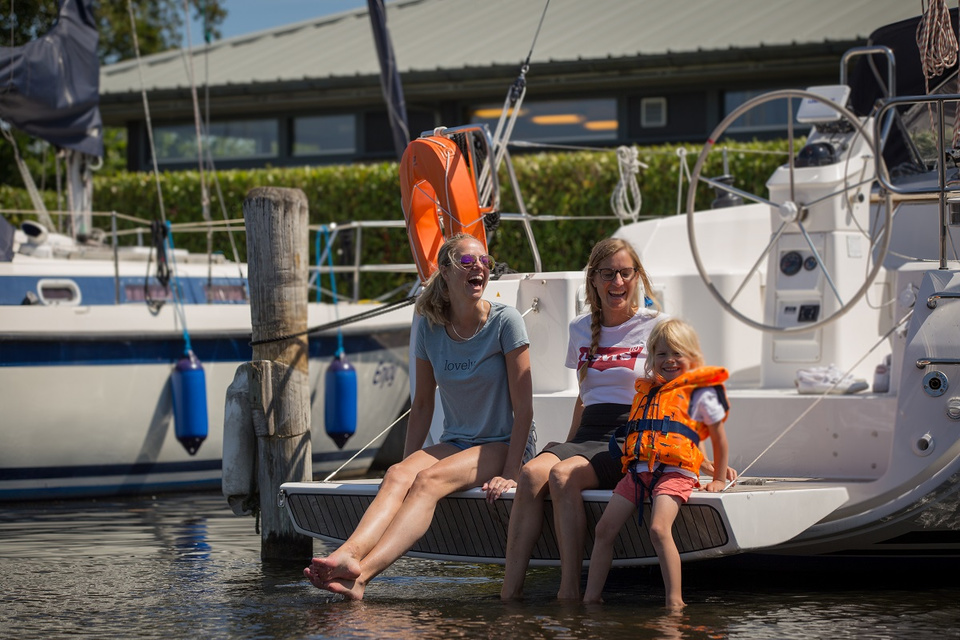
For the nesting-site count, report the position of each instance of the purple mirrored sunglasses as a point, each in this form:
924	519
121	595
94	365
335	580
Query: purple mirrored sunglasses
467	260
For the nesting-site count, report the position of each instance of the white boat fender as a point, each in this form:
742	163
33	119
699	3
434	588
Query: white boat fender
340	399
189	386
239	483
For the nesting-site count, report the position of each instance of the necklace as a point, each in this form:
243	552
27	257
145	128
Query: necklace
475	331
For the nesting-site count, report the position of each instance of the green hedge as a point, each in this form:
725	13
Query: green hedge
568	184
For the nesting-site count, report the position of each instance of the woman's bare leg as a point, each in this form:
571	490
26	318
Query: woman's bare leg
526	522
665	509
466	469
567	479
344	562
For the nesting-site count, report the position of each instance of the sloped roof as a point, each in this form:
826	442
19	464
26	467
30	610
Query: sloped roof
434	36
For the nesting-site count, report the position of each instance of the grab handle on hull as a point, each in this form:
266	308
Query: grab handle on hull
941	295
922	363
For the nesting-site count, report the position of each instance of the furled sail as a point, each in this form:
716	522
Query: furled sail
50	87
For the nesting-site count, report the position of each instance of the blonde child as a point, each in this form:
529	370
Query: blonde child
665	466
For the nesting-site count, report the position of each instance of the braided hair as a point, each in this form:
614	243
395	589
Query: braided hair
601	251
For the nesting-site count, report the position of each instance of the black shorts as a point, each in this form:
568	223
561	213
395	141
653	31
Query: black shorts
592	441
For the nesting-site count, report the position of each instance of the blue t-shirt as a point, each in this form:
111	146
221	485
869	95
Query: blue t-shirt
472	375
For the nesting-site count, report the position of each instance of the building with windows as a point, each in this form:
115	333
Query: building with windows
600	73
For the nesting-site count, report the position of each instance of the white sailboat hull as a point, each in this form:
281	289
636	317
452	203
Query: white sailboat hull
86	392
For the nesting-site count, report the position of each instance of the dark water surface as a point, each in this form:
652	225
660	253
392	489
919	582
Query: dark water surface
183	566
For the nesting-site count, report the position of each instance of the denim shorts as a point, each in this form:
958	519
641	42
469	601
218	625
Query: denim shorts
528	453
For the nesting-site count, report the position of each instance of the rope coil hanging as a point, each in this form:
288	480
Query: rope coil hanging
626	199
938	50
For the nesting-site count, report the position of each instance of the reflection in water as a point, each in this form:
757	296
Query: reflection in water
185	567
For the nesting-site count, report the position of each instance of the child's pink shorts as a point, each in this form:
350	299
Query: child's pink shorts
670	484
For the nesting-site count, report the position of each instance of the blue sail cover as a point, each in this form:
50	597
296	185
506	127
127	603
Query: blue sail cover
50	87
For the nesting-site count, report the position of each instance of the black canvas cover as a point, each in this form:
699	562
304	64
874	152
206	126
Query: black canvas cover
868	78
50	87
871	71
389	77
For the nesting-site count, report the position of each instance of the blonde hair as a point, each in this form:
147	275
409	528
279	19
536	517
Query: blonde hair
676	335
434	301
600	252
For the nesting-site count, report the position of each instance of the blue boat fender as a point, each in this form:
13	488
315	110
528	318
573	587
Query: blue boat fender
189	402
340	400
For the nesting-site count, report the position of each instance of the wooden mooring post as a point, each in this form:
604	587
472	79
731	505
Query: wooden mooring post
277	381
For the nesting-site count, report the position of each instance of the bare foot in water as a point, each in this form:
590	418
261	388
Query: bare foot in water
352	589
676	606
571	596
334	566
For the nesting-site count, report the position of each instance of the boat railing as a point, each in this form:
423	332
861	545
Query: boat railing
326	238
947	192
107	245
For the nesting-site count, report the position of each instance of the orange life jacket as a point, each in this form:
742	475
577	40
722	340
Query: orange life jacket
438	193
660	429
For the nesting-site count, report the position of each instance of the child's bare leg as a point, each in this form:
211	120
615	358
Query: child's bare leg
618	511
665	509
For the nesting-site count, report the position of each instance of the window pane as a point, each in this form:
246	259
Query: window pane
234	139
558	120
324	135
770	116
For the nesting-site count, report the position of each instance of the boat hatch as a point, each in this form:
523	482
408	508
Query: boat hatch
60	291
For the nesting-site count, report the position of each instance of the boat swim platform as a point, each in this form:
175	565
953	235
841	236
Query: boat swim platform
466	528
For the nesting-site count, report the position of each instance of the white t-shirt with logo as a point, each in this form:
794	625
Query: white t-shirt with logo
621	354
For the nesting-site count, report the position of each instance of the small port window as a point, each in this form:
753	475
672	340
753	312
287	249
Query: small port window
53	292
226	293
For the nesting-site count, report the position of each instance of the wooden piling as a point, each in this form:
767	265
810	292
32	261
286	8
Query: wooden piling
278	255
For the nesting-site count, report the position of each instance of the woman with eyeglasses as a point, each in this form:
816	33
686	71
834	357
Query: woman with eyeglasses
477	353
607	347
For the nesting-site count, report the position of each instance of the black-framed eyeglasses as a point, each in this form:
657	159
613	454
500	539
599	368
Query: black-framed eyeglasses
467	260
627	273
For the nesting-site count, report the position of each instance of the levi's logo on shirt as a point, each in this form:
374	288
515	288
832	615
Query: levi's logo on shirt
609	357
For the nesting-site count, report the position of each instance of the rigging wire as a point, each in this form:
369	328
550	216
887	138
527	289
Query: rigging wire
364	447
178	294
206	153
364	315
198	128
508	118
325	236
824	394
161	228
146	110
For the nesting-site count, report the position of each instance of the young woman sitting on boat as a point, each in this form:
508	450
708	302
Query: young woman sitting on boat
477	353
607	347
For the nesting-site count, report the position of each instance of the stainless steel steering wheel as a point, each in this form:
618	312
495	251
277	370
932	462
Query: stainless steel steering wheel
790	210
